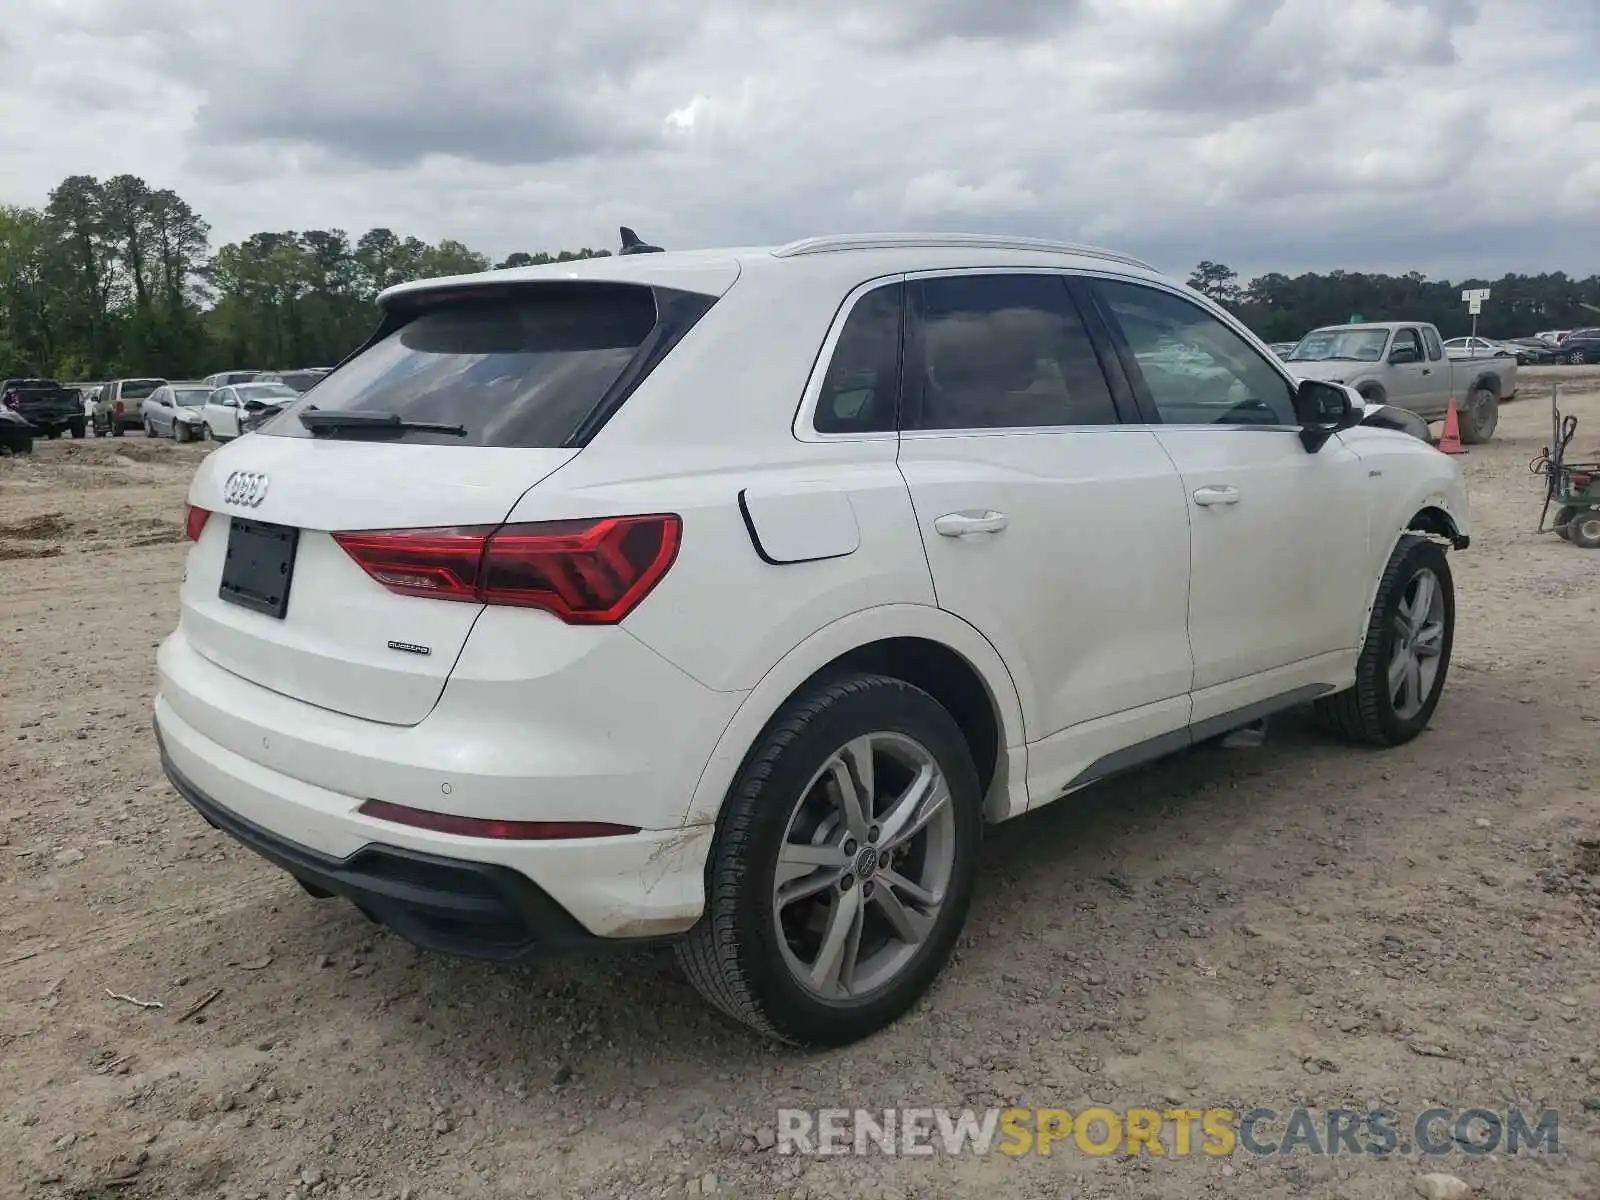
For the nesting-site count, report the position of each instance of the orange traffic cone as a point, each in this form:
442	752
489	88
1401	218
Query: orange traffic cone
1450	439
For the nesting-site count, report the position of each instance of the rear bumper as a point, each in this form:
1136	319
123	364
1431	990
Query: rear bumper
454	906
477	897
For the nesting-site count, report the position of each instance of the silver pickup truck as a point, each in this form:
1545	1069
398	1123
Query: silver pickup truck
1404	364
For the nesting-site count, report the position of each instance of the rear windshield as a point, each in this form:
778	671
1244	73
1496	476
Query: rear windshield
138	389
520	371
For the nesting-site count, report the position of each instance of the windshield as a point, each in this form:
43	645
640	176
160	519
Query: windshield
1355	345
191	397
265	391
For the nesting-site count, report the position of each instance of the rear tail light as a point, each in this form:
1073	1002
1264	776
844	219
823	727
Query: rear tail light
119	408
483	827
194	521
11	401
592	572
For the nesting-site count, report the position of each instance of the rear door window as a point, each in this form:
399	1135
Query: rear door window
1001	352
522	369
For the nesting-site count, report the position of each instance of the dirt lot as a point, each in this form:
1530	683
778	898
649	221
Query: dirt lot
1303	923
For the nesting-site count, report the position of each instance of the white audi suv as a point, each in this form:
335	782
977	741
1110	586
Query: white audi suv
722	597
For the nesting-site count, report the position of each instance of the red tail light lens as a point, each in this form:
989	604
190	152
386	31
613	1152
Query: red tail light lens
194	521
591	572
481	827
119	408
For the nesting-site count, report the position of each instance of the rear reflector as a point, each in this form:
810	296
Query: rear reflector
481	827
194	521
585	572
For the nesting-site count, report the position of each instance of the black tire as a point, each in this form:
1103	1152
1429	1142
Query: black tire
1371	394
77	428
116	429
1564	518
1480	417
1585	529
1366	712
733	956
180	432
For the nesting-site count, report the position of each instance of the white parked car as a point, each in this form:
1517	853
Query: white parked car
225	406
721	597
176	410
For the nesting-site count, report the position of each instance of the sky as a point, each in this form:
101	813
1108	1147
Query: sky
1456	137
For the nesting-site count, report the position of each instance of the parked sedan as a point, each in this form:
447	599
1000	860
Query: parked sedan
173	410
225	407
1534	351
1479	347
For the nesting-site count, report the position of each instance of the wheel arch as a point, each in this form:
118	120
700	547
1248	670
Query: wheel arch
1488	379
925	646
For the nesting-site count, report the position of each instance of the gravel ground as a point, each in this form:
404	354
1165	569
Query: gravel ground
1302	923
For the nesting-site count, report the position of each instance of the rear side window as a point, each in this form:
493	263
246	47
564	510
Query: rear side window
1001	352
862	386
521	370
1435	349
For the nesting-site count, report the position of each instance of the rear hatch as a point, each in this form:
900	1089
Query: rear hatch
496	388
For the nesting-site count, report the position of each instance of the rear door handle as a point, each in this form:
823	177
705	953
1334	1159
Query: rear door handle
1207	496
961	524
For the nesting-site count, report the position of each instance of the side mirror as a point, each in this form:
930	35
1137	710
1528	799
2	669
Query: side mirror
1404	354
1324	409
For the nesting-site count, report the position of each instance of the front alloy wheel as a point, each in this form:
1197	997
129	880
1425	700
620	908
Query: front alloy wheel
843	864
1405	658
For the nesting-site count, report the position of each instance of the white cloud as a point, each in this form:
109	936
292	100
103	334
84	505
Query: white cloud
1442	135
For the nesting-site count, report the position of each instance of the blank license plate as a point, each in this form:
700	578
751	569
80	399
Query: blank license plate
259	566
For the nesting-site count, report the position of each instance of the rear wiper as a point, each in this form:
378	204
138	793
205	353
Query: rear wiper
319	421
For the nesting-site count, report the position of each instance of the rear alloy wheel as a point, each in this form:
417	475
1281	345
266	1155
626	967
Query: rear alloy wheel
1577	358
1481	417
1406	656
1584	529
843	865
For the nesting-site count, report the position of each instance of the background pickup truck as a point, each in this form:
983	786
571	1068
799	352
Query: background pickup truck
45	404
1404	364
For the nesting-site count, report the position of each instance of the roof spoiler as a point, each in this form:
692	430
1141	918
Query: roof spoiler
633	244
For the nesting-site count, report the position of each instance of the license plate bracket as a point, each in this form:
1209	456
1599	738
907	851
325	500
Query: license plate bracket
260	566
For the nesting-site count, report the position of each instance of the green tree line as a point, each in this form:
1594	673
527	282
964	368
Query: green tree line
118	277
1281	308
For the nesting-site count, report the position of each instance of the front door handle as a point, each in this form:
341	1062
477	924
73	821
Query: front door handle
1207	496
961	524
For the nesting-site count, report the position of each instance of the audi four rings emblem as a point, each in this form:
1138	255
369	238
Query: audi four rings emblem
245	488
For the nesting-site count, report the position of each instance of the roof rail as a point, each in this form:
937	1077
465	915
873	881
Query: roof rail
947	241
